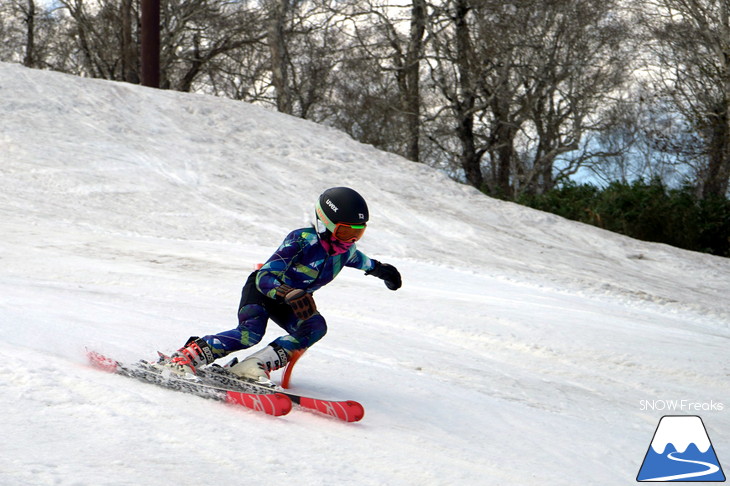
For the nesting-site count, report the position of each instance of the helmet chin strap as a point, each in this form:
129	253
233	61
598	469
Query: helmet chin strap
319	226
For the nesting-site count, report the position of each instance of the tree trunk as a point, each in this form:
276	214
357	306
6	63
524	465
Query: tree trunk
464	104
129	47
279	55
717	175
29	58
413	79
503	144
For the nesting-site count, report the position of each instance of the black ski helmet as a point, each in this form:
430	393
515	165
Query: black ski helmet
341	205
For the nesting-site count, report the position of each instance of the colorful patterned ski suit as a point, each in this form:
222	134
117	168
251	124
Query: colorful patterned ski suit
301	262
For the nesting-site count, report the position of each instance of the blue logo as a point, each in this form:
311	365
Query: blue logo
681	451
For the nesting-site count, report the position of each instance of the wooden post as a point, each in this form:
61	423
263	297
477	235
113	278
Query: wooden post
150	43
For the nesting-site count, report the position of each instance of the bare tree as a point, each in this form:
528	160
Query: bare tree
471	61
193	34
572	64
305	51
508	91
690	43
409	78
101	34
28	32
30	14
524	82
18	30
386	48
129	47
279	53
197	33
279	12
363	101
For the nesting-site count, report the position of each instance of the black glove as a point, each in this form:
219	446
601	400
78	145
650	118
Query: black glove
388	273
302	303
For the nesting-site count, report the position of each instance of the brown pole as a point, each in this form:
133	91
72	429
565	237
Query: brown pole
150	40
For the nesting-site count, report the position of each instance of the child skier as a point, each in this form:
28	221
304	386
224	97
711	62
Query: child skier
282	289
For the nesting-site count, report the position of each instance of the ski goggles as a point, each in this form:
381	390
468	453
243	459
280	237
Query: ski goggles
345	232
348	233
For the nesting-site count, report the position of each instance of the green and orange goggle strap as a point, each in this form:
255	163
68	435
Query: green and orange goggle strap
346	232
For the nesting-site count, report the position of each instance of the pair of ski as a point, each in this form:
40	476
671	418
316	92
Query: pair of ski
217	383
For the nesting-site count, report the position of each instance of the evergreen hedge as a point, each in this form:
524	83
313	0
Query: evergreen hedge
645	210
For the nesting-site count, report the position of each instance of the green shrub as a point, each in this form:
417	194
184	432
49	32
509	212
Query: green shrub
644	210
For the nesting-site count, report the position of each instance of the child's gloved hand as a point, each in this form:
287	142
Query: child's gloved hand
282	290
302	303
387	273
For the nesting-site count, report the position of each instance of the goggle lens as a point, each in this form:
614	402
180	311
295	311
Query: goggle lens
349	233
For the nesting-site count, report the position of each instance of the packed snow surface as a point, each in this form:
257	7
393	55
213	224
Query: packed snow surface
522	349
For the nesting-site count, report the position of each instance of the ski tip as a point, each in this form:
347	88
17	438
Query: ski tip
100	361
357	411
347	411
284	402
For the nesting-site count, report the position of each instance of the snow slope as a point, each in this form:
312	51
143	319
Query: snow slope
522	348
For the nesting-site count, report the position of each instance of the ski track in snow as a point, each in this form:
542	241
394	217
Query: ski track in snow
517	351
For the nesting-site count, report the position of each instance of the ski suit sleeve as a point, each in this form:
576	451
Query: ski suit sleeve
360	260
272	274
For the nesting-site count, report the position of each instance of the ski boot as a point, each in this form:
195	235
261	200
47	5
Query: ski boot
258	366
185	360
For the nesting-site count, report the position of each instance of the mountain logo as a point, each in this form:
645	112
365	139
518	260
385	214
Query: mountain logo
680	451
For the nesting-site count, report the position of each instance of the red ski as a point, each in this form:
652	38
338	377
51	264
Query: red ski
217	383
276	404
345	410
